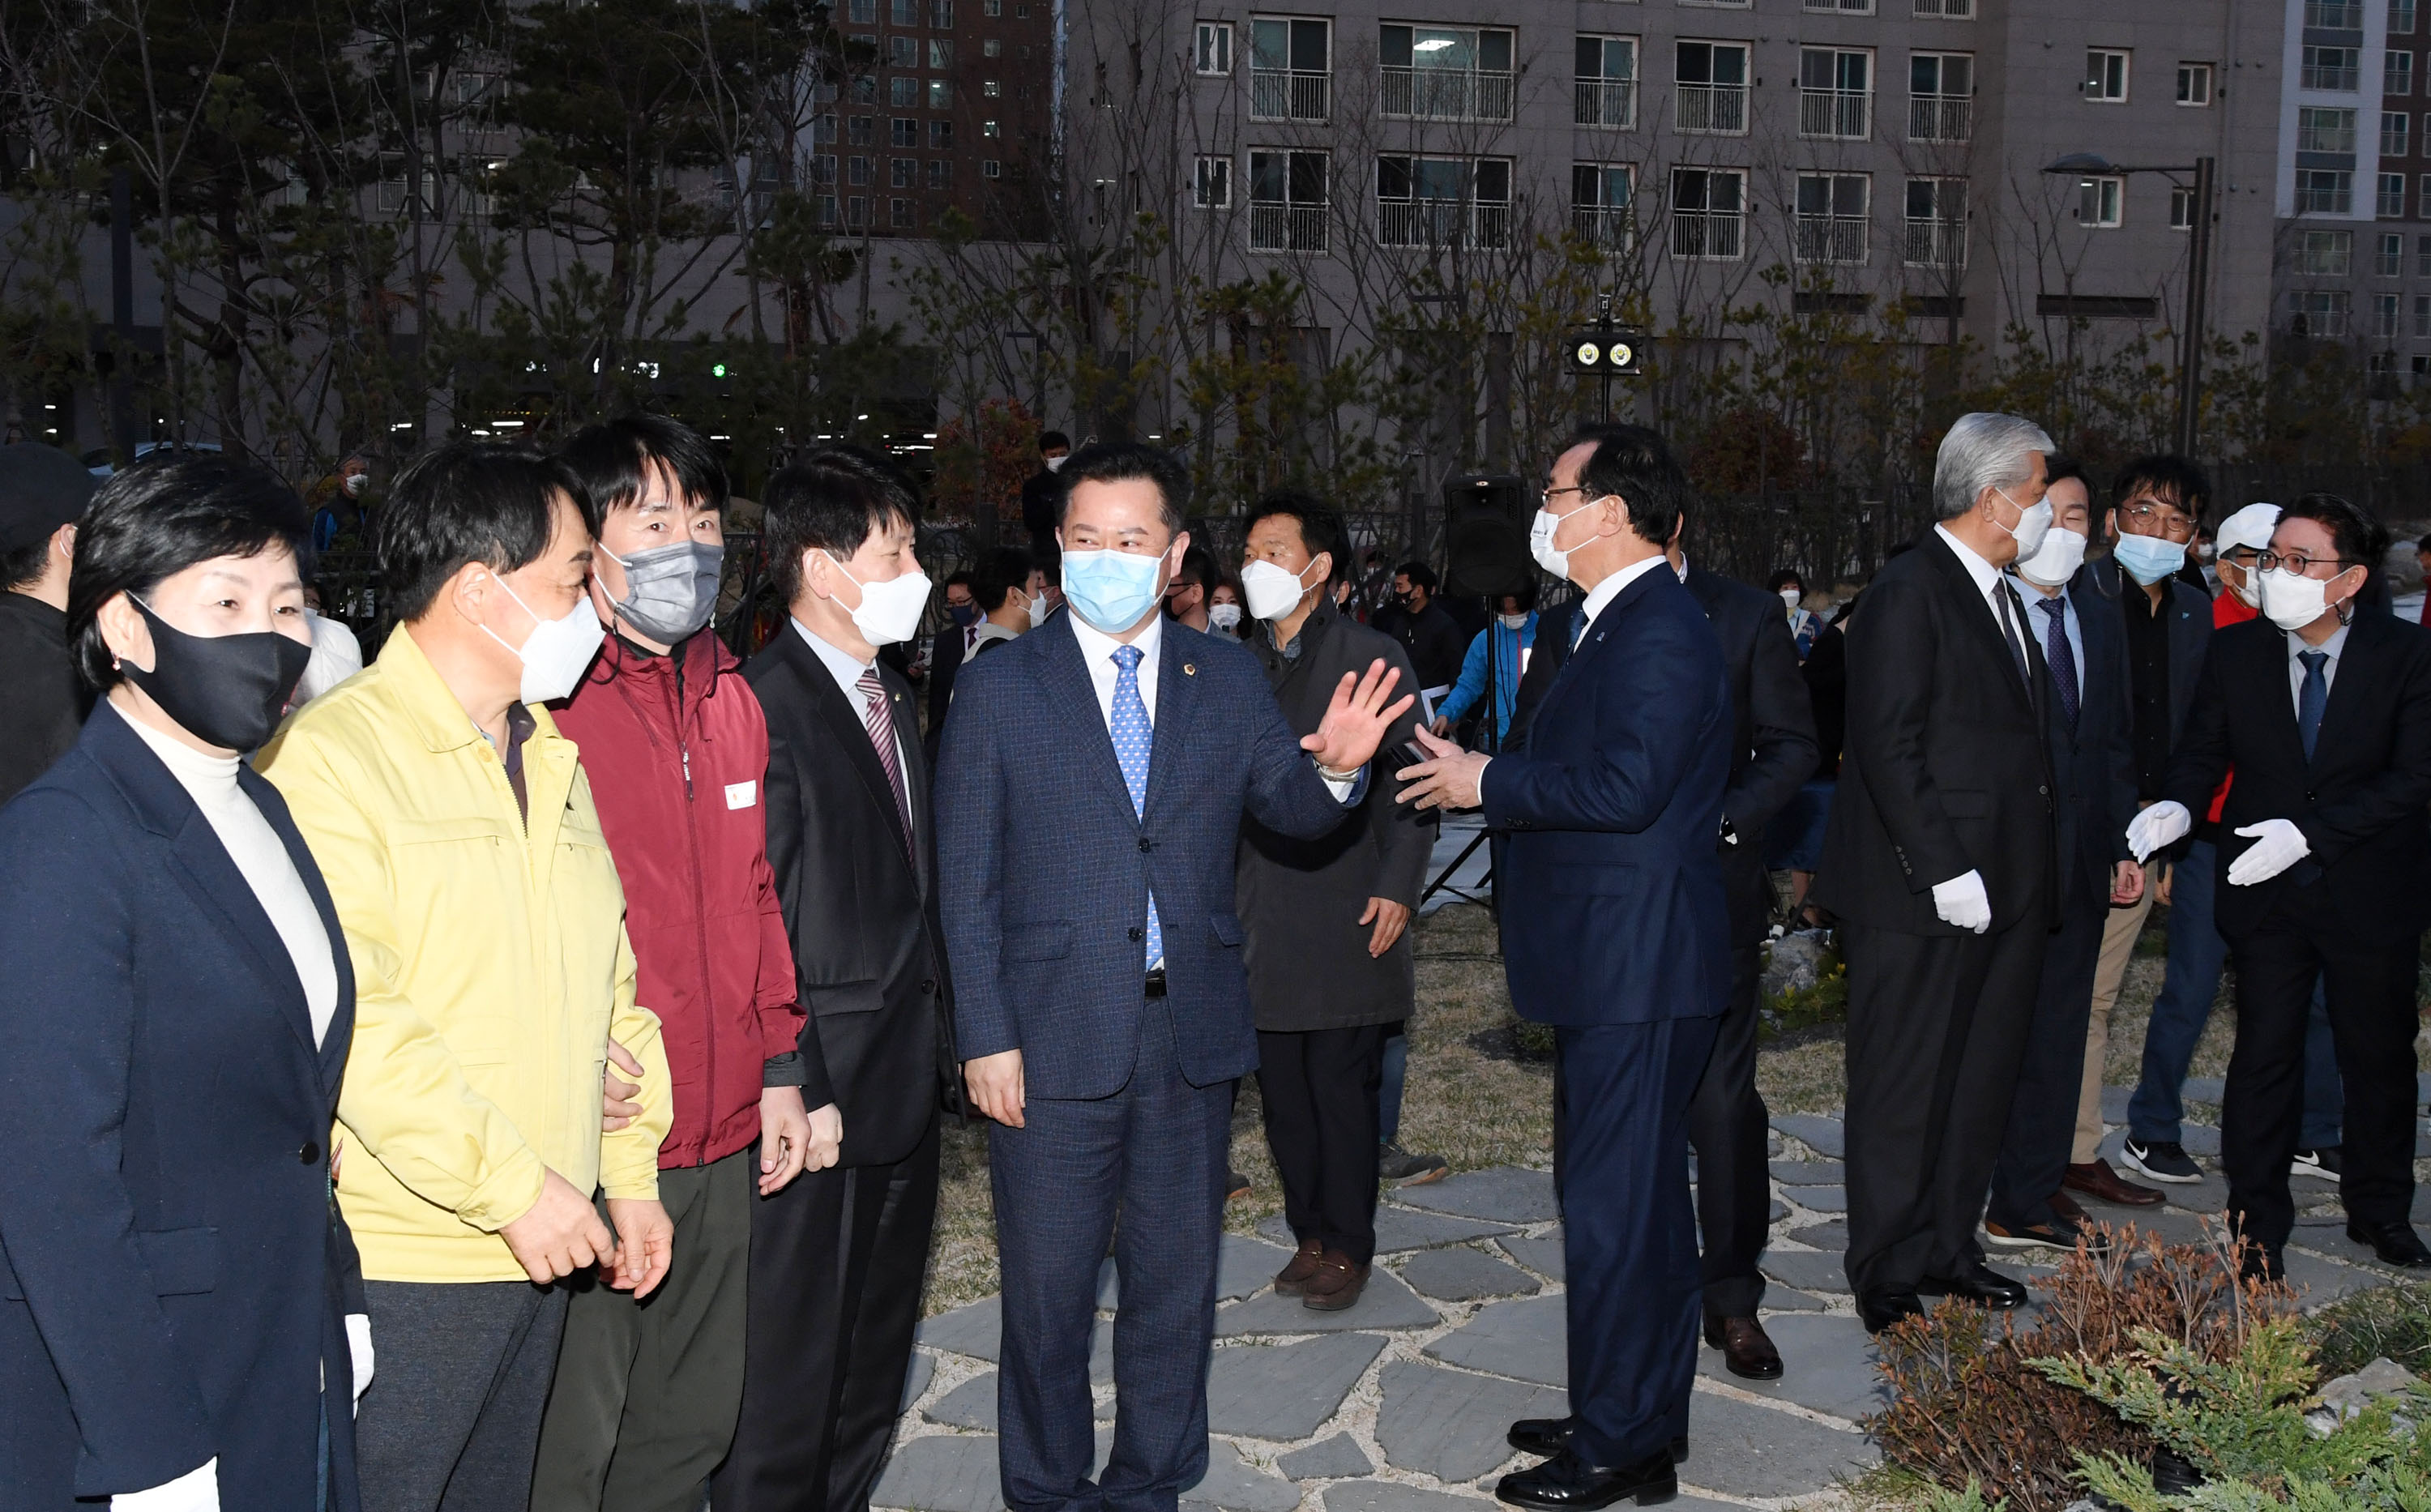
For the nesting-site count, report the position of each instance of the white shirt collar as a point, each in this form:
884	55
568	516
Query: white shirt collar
1608	590
842	667
1097	648
1984	574
2297	646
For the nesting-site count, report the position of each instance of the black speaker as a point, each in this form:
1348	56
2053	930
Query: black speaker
1485	537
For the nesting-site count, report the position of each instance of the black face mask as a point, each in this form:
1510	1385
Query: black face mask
227	690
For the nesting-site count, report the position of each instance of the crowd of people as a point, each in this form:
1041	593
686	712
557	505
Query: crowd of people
512	1074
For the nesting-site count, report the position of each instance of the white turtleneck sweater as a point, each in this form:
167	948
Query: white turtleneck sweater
259	854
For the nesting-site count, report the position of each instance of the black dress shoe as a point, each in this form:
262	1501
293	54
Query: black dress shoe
1747	1349
2395	1241
1979	1284
1569	1483
1879	1310
1545	1438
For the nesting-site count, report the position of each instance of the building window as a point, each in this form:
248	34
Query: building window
2330	68
1600	201
1433	202
991	7
1710	91
1941	96
2389	202
941	94
941	136
1445	73
991	129
2389	254
902	91
827	209
1211	48
2398	76
2194	83
899	215
865	88
2319	129
1211	183
904	13
1945	9
2423	317
2423	244
2182	208
941	15
2105	76
991	47
1830	217
1708	211
2384	316
2101	202
2324	191
902	132
902	52
864	13
860	130
940	53
1836	93
990	168
2333	15
1606	82
2394	132
1845	7
1291	68
990	88
860	170
903	173
1937	223
940	173
856	210
2401	18
2325	253
1290	194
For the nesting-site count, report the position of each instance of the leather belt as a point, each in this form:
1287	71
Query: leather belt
1156	983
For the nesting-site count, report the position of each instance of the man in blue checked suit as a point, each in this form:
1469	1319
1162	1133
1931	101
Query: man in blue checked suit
1616	932
1089	797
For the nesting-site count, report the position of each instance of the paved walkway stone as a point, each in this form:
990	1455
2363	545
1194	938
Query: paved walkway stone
1807	1269
943	1473
1450	1424
2317	1280
1466	1275
1336	1458
1400	1229
1780	1299
972	1404
1820	1134
1543	1253
1234	1485
1387	1303
1827	1365
1285	1391
1385	1496
1834	1236
915	1380
1809	1172
1820	1198
1526	1340
977	1331
1740	1449
1503	1194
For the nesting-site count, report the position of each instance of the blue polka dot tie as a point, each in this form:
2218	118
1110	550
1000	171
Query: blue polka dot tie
1134	741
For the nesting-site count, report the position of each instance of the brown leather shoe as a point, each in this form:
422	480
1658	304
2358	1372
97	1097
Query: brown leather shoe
2096	1180
1293	1279
1336	1285
1747	1349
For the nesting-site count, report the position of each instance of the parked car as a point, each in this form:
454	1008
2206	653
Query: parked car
97	461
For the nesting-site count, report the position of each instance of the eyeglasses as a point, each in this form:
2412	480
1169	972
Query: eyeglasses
2299	563
2162	520
1547	496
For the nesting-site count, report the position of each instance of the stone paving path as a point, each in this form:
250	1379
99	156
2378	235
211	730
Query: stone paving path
1400	1403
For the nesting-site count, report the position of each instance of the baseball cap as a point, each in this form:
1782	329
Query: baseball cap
2250	528
41	488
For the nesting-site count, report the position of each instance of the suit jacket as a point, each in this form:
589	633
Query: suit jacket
2360	801
944	660
1299	900
860	905
1612	904
1947	769
1772	740
39	689
1046	904
1554	629
172	1269
2093	764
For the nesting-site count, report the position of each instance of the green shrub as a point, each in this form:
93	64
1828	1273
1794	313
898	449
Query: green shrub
2392	1323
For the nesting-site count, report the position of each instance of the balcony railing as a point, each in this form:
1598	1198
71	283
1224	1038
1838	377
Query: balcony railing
1940	118
1441	222
1447	93
2325	194
1290	93
1609	227
1713	107
1831	238
1936	242
1707	233
1287	227
2333	15
1606	102
2326	138
1835	113
2326	77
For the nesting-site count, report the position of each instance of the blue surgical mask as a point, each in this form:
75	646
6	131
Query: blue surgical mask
2149	558
1113	590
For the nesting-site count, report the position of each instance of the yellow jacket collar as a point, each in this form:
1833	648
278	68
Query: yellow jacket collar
439	716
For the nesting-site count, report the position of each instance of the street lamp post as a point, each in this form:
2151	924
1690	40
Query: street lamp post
2088	164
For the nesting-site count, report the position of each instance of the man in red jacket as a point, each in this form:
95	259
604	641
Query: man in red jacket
677	750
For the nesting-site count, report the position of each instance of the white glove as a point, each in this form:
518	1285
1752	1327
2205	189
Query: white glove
359	1349
2165	823
197	1491
1961	900
2278	846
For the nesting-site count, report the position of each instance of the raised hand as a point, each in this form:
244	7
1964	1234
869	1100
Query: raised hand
1355	722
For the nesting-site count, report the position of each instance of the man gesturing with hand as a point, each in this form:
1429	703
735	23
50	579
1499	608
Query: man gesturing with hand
1939	862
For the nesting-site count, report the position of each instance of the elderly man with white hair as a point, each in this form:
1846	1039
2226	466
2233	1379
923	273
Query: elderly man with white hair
1939	862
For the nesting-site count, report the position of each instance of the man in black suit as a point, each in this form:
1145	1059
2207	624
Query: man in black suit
1938	861
947	650
837	1257
2078	625
1041	495
1427	632
1772	751
2325	865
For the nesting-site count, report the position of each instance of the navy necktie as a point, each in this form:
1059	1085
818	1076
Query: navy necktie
2313	698
2061	656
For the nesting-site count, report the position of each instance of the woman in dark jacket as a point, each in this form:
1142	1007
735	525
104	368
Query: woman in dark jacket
174	1020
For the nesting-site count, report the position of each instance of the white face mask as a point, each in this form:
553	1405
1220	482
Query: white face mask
1272	591
1514	622
1039	607
1789	596
1541	531
2030	525
1054	464
2248	586
2056	561
354	483
557	651
1224	616
2292	601
890	610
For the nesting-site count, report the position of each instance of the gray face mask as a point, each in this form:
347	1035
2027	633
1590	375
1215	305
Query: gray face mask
670	591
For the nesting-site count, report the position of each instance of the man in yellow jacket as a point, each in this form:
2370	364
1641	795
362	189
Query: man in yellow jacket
457	832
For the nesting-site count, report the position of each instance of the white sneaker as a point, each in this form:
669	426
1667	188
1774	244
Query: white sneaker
2322	1165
